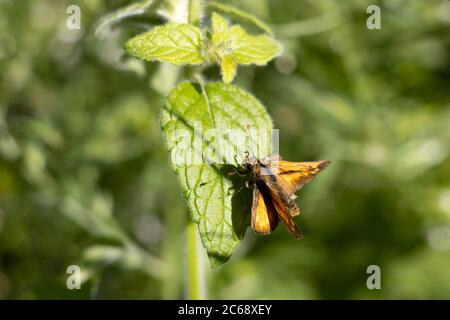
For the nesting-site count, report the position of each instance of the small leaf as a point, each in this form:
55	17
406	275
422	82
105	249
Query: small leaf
176	43
219	25
228	67
194	120
235	44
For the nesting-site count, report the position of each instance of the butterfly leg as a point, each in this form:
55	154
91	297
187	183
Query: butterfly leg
236	160
237	172
236	190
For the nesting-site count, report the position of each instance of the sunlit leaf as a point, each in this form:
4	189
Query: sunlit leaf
190	112
236	45
175	43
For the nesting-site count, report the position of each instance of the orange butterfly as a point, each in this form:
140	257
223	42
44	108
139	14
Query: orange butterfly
275	182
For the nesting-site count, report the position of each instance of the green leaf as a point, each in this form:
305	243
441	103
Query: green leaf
176	43
241	14
198	122
131	10
228	67
233	45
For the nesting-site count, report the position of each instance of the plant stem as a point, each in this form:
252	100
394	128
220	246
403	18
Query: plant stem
195	12
196	283
196	280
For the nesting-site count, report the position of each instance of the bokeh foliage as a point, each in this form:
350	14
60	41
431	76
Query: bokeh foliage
85	179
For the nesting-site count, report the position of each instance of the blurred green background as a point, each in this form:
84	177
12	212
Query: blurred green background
85	179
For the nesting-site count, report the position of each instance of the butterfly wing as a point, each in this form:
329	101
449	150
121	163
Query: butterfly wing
294	175
284	204
279	190
285	216
264	215
273	196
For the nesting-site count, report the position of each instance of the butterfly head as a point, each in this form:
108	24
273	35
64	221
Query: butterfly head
250	162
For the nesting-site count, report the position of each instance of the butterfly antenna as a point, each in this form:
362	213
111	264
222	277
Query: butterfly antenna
251	142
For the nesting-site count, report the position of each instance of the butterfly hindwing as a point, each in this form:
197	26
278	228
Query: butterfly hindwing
264	214
284	204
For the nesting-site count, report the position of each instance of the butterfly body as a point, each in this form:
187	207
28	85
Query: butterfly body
274	183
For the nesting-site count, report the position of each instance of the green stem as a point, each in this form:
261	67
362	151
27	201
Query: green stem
196	283
196	279
195	12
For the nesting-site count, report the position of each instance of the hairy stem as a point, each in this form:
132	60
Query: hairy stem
195	12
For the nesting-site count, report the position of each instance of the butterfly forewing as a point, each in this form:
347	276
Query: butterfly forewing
294	175
285	216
